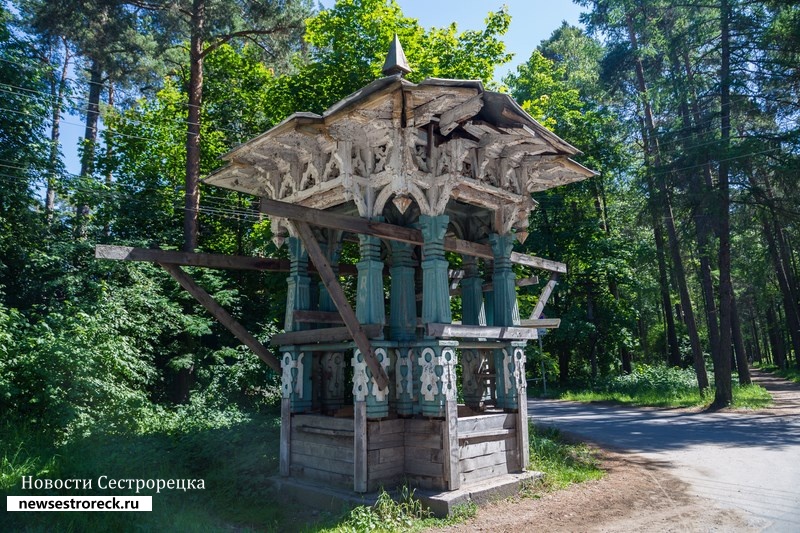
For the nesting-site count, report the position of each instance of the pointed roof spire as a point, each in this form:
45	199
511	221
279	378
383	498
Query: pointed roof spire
396	62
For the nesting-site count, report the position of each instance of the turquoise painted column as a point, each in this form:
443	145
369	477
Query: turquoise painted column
331	363
370	310
472	314
296	365
370	299
298	295
436	359
435	283
332	247
403	322
507	363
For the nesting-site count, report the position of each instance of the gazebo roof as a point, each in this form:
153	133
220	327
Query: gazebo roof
432	142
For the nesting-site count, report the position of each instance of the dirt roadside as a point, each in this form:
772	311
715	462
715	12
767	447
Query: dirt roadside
634	495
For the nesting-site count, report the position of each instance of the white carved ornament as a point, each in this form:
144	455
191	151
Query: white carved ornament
289	383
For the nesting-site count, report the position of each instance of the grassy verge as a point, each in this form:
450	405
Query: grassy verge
234	463
664	387
234	459
562	462
792	373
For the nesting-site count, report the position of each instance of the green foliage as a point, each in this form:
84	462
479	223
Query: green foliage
234	456
563	463
349	44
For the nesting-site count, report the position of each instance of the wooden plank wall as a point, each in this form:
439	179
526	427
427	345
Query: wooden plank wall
385	453
424	454
322	449
488	446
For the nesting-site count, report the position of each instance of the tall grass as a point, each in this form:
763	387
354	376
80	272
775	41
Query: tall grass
562	463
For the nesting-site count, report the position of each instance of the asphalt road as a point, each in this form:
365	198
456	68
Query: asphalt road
744	461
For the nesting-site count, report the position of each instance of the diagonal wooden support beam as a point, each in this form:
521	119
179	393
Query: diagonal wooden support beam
340	301
546	292
222	315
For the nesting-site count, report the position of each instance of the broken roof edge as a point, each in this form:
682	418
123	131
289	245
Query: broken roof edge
580	169
280	126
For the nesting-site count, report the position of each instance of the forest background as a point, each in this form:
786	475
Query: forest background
682	251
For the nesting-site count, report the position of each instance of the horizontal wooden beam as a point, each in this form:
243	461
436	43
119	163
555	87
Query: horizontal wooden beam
237	262
199	259
318	317
489	287
222	315
309	336
481	332
384	230
541	323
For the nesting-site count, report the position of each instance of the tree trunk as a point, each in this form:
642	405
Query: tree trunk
563	364
192	195
775	339
652	150
92	118
742	363
722	366
57	90
109	153
792	319
673	350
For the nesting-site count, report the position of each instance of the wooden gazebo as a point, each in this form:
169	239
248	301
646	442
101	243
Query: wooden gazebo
412	171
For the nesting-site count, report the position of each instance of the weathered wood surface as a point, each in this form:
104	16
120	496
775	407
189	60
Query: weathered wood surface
489	287
323	422
540	323
360	451
482	332
523	458
480	474
308	336
472	424
452	470
450	119
498	458
546	292
318	317
336	294
199	259
383	230
323	476
128	253
222	315
487	435
285	437
324	451
470	451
